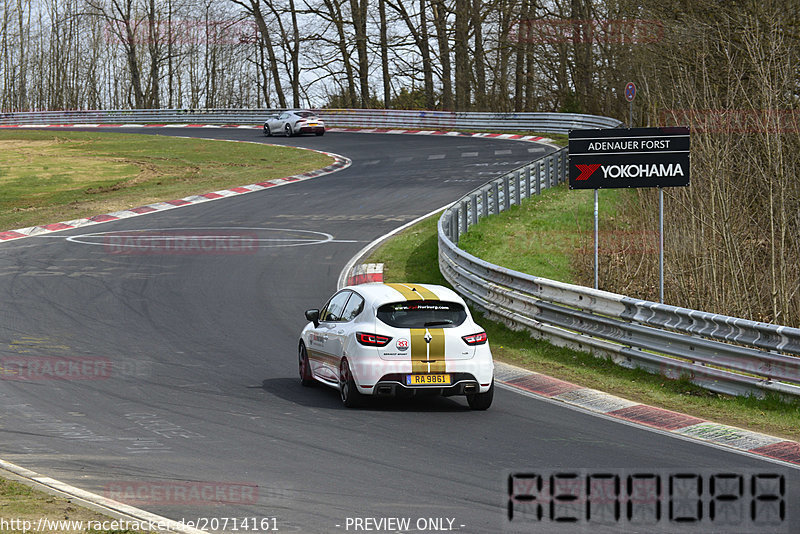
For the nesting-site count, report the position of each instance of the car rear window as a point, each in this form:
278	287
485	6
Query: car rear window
422	313
305	114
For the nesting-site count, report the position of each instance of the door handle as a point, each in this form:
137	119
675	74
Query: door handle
340	331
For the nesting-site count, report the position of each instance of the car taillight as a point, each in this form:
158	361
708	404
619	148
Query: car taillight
475	339
372	340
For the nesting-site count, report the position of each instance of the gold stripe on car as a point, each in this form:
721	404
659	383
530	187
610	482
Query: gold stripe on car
427	357
414	292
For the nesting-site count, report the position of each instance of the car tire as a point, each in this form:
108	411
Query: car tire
347	386
288	130
481	401
306	378
267	131
320	133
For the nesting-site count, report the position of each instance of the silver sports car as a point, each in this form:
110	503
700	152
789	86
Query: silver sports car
294	122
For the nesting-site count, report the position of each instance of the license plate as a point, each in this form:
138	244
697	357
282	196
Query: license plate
313	124
427	380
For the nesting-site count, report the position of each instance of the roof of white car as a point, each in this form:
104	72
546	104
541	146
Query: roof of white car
380	293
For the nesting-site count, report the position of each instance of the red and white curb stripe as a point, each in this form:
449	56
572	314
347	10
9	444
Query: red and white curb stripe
365	273
665	420
340	163
402	131
483	135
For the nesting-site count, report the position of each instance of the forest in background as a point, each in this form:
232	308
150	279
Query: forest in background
728	69
497	55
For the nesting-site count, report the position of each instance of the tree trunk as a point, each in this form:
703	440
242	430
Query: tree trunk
519	56
153	100
427	64
359	12
480	70
387	87
440	22
461	53
295	53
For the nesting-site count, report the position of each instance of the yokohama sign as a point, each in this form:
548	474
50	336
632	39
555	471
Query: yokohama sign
637	157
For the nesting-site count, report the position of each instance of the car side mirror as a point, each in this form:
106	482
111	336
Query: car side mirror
313	316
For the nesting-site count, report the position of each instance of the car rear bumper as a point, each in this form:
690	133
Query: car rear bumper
311	129
369	371
393	385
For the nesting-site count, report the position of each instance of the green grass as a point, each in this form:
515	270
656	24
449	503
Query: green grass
543	234
48	176
412	256
21	503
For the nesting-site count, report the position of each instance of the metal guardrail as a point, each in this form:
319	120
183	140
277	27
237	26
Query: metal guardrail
450	120
344	118
720	353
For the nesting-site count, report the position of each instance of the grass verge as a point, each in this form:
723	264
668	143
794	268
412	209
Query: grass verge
51	176
413	256
22	506
543	234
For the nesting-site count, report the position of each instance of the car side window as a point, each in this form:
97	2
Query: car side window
283	116
335	307
354	307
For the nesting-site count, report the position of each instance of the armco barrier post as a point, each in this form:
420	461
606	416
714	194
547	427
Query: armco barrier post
474	200
547	171
527	181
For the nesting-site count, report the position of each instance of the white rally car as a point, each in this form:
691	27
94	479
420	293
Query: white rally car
395	340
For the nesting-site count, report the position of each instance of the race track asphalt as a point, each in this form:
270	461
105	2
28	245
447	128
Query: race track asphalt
203	389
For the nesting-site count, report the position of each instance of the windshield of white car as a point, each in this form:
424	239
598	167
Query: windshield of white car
422	314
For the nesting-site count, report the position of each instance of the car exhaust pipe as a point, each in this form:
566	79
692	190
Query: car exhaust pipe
384	391
469	389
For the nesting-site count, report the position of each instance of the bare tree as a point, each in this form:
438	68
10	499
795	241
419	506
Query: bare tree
440	16
420	37
253	7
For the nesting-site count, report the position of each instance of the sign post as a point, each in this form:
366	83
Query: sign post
596	238
632	157
630	94
661	245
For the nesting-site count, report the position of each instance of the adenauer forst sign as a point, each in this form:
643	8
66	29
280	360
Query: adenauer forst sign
629	157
